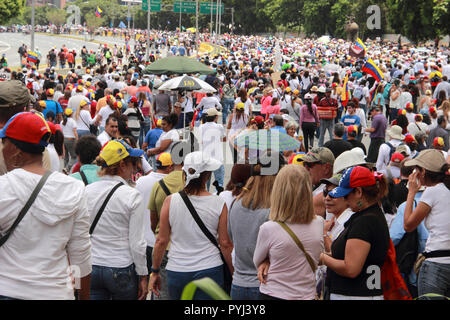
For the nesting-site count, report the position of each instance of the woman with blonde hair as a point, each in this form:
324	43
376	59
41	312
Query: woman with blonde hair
293	239
247	213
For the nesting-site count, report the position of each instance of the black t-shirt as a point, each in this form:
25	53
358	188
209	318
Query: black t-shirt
358	144
337	146
368	225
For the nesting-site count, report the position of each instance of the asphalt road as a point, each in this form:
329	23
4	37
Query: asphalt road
10	43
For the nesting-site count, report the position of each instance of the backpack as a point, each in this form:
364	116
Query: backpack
392	149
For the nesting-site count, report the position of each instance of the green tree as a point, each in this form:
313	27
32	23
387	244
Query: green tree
56	16
93	22
10	9
441	17
412	18
317	17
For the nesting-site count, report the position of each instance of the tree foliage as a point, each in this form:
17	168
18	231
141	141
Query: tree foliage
10	9
57	16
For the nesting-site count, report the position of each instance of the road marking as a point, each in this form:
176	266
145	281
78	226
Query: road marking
7	45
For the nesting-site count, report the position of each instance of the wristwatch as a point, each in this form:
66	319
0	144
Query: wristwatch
154	270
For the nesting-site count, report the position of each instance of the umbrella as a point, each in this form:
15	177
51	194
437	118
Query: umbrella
186	83
267	139
178	65
324	39
191	30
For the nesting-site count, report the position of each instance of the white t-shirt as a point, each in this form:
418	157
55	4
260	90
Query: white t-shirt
169	135
84	120
413	127
247	104
190	250
105	112
227	196
438	220
145	185
67	129
212	135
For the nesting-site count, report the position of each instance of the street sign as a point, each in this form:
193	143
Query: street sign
184	6
205	8
155	5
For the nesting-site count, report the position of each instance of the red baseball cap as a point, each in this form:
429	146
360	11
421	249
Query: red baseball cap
27	127
432	110
53	127
134	99
397	157
409	138
352	129
352	178
259	119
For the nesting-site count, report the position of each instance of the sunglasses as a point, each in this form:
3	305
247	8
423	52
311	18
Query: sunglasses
311	164
326	192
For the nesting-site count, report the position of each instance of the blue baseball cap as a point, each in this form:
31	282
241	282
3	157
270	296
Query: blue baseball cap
352	178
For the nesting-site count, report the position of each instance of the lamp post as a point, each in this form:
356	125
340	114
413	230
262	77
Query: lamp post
148	30
196	26
33	5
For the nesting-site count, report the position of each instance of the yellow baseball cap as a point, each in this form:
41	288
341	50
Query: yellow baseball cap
68	112
159	122
42	104
116	150
164	160
288	89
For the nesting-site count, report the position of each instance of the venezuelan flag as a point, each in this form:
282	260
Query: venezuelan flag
345	96
357	49
32	56
98	12
371	68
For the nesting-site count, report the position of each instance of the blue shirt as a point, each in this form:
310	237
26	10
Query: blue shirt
397	232
53	106
90	171
279	128
349	120
152	137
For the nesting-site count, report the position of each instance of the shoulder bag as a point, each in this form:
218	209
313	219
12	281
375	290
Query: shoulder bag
226	271
92	129
84	178
27	206
102	208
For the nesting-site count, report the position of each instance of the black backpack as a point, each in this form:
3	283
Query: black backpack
407	250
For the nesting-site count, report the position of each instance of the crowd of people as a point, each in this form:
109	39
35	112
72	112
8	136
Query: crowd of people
120	175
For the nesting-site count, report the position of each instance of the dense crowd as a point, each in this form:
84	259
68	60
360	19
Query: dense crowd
123	172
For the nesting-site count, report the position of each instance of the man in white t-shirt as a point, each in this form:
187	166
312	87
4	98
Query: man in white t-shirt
144	185
212	136
111	130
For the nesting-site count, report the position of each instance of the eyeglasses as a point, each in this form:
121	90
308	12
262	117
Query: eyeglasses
326	192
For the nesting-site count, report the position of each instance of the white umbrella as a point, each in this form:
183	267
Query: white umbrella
187	83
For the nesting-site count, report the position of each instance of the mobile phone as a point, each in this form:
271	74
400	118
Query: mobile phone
417	180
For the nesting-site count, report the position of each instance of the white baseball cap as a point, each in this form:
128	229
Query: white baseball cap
199	162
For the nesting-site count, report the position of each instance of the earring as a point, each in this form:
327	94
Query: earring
359	204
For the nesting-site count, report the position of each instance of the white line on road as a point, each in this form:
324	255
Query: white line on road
7	45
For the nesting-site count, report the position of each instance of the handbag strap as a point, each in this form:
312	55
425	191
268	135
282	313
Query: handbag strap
84	178
27	206
164	187
299	244
102	208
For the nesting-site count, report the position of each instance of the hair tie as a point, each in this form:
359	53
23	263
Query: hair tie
244	188
378	176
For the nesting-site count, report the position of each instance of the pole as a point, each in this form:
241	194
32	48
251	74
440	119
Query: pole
232	20
148	30
220	16
210	27
217	18
129	15
196	26
33	5
180	17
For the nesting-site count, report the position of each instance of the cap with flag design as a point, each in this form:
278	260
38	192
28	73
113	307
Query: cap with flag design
50	92
352	178
116	150
438	142
27	127
352	130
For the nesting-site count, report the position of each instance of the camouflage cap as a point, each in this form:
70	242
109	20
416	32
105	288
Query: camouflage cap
13	93
320	154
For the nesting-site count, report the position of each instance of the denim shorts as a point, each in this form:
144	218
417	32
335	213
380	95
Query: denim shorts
109	283
176	281
434	278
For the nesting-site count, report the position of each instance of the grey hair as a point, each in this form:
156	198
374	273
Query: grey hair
292	124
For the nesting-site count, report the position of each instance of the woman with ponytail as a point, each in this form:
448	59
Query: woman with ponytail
69	130
309	121
432	171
